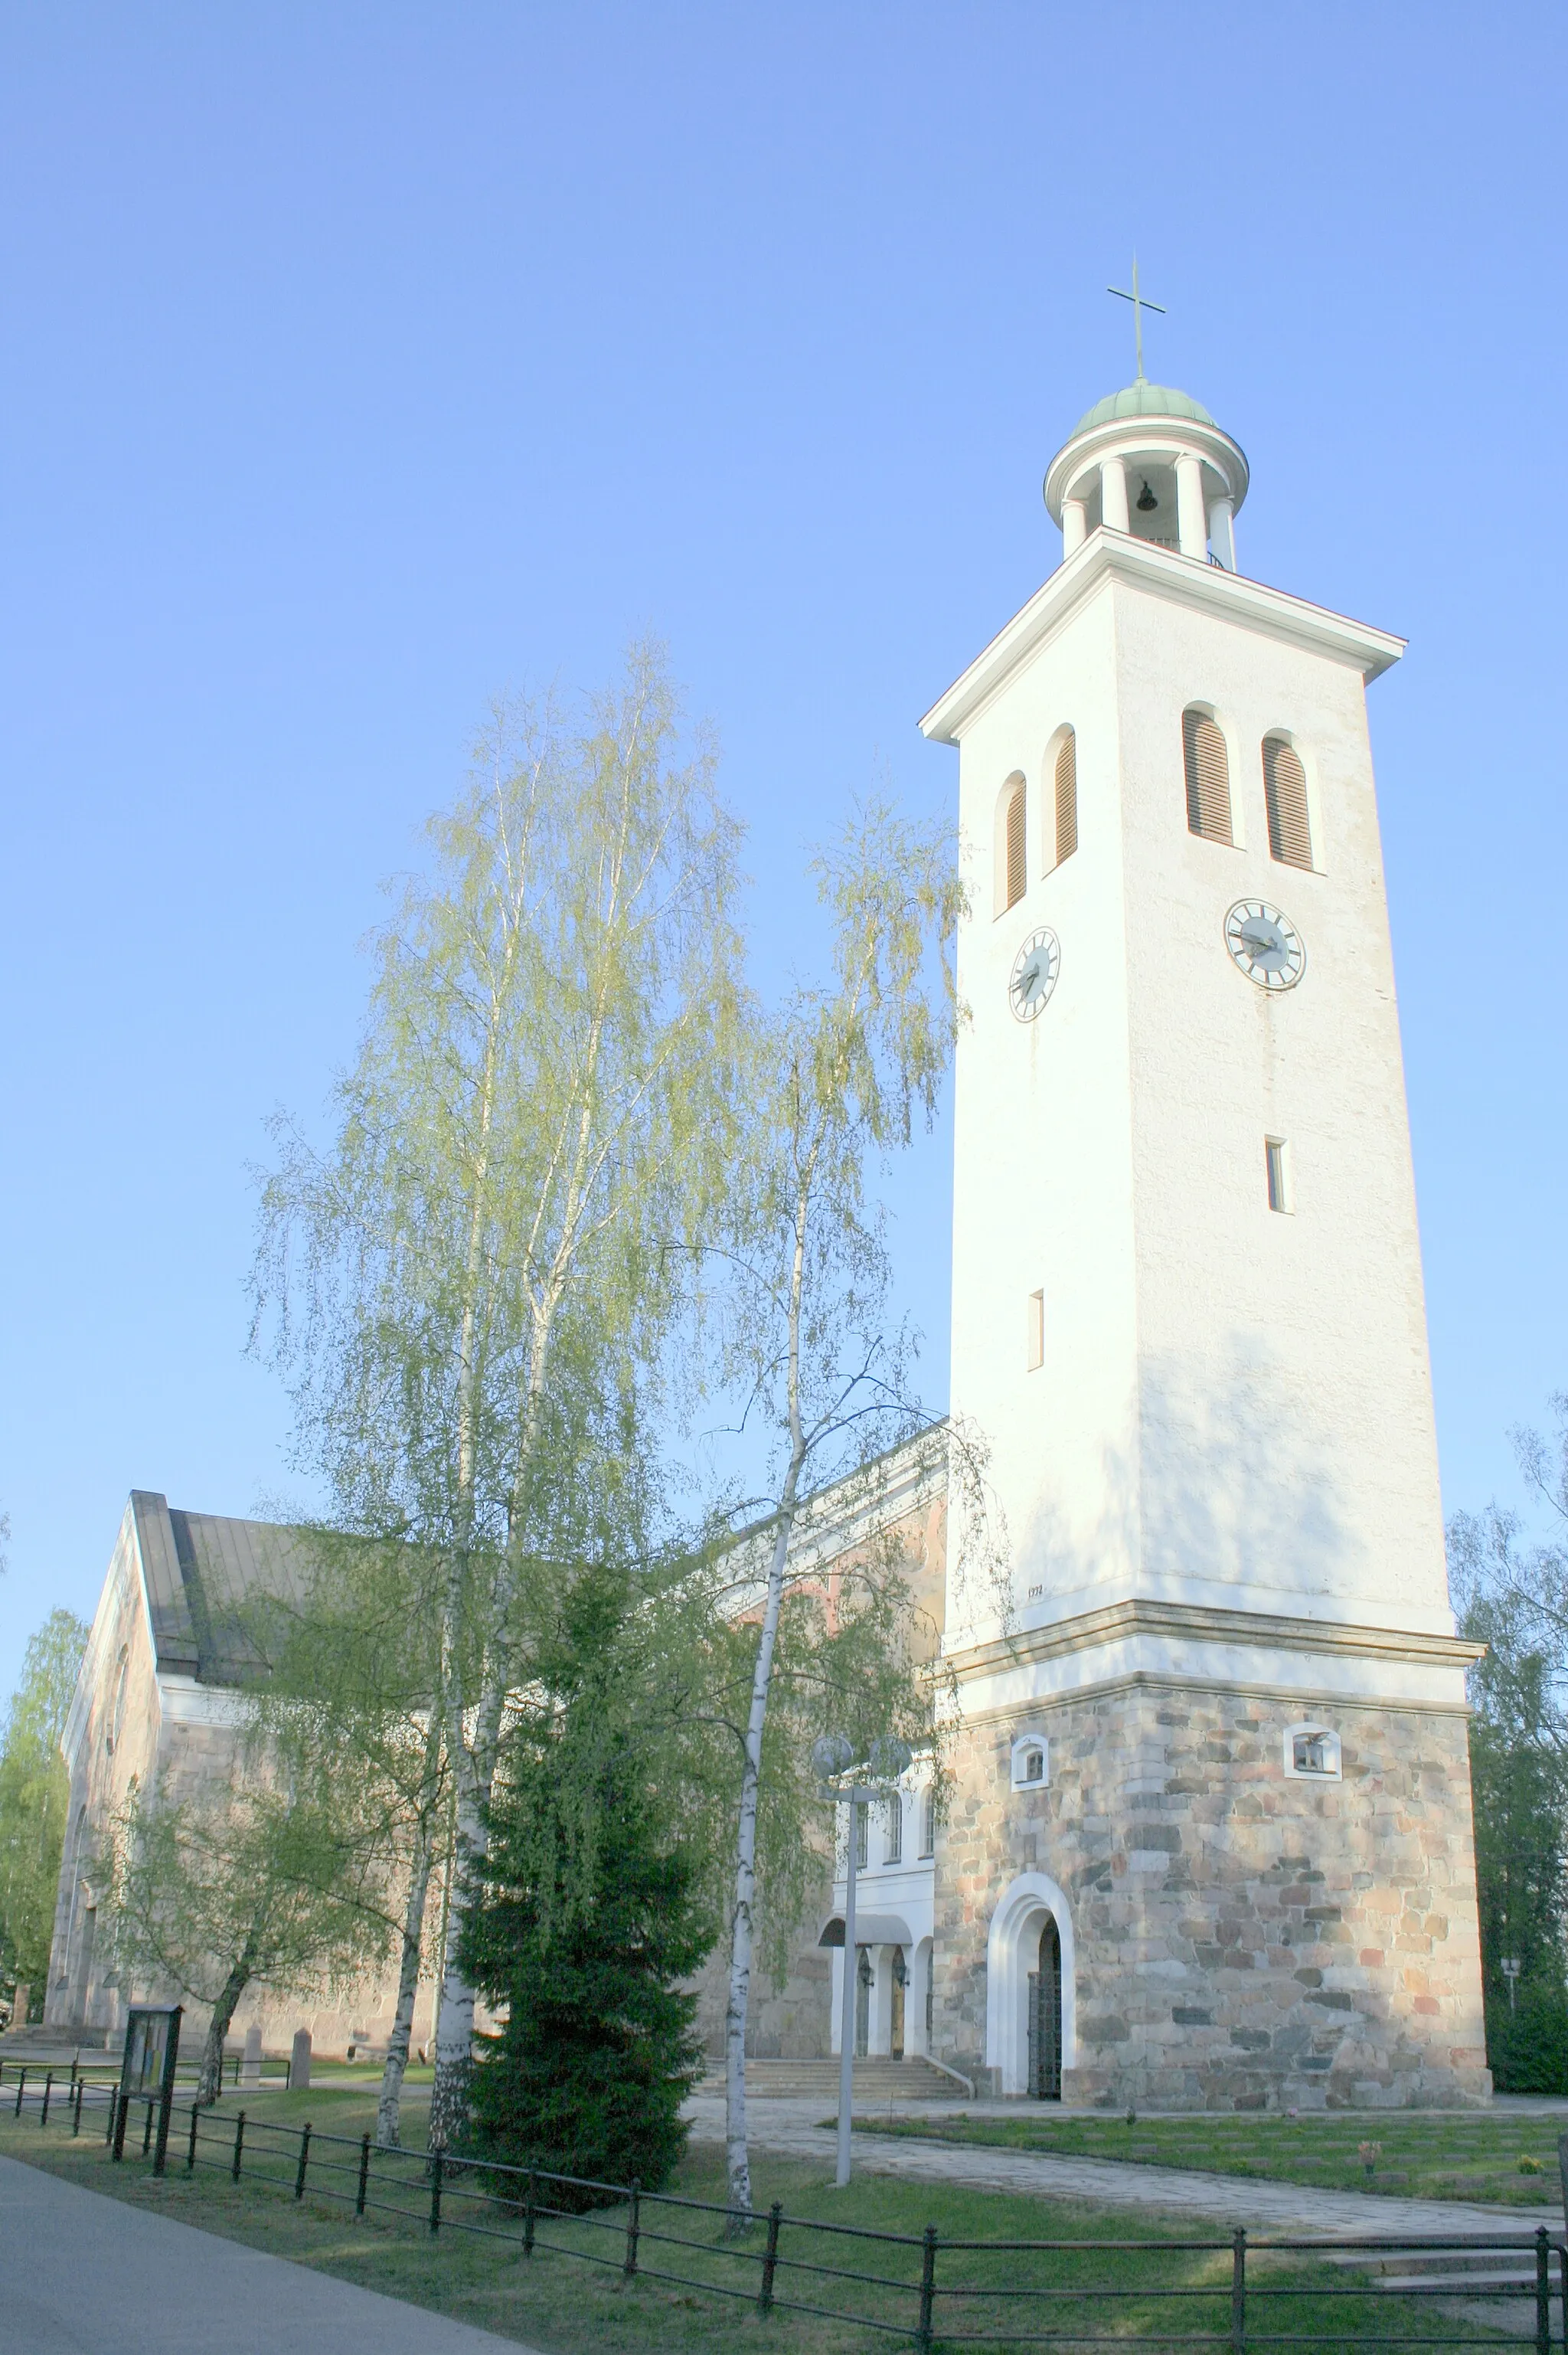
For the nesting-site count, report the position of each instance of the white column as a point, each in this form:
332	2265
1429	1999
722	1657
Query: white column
1113	495
1191	529
1222	531
1074	526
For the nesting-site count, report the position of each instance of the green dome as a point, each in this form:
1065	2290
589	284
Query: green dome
1144	399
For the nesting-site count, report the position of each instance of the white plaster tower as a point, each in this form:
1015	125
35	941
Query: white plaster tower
1214	1774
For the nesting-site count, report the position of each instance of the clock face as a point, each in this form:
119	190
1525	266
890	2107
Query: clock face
1265	944
1034	970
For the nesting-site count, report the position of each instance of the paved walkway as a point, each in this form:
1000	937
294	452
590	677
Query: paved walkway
794	2130
81	2273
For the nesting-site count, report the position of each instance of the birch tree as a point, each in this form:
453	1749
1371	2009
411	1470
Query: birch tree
841	1080
471	1288
352	1665
219	1890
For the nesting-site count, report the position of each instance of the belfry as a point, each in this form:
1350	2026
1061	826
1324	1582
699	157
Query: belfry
1210	1841
1207	1841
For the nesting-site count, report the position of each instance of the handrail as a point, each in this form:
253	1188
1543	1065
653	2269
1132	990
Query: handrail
957	2075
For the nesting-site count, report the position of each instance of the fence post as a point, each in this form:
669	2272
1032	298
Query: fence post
1563	2258
48	2089
1238	2291
1542	2292
21	2089
437	2160
771	2259
533	2192
238	2147
122	2113
364	2174
190	2155
633	2226
113	2105
304	2158
147	2131
76	2106
923	2336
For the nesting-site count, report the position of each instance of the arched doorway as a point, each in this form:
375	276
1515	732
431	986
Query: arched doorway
895	2007
1045	2016
1033	1922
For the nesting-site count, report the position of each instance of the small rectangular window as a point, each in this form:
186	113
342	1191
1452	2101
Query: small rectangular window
862	1839
929	1822
1279	1174
893	1835
1036	1331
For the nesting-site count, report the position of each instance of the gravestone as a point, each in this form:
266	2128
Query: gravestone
251	2067
300	2061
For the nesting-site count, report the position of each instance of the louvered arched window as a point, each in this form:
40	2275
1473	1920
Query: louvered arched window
1208	776
1067	798
1012	870
1285	790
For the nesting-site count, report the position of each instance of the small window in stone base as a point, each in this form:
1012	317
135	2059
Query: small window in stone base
1031	1763
1277	1172
1311	1754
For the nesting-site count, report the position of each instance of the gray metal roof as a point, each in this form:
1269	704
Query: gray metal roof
202	1570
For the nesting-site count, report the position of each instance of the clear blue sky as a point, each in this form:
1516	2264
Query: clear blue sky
360	361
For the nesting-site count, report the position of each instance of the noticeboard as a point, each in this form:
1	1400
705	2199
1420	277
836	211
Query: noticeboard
151	2048
147	2072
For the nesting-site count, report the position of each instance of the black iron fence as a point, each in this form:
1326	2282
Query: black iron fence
926	2290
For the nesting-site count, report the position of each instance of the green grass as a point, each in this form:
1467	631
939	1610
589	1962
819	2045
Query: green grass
1509	2161
569	2308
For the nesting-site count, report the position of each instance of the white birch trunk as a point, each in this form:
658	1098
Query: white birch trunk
387	2112
741	1915
737	2157
454	2017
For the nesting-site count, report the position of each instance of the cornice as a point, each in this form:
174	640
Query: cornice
1110	556
1157	1680
1260	1630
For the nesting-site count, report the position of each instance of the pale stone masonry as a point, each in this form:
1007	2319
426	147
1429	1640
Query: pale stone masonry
1241	1940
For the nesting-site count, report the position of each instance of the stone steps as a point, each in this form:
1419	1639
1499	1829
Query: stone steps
50	2044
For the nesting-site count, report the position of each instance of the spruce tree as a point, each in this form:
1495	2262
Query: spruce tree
586	1920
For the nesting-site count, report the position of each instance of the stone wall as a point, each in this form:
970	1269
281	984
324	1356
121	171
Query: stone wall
787	2020
1243	1940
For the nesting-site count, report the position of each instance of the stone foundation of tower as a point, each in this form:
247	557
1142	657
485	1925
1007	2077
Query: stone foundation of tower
1234	1938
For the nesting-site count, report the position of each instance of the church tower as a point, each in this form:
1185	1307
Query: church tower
1209	1840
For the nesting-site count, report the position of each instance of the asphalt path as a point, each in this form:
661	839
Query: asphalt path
81	2274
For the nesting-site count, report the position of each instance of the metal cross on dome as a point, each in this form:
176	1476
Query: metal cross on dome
1141	303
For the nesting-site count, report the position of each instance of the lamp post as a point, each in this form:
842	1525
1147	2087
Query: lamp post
1510	1969
843	1784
